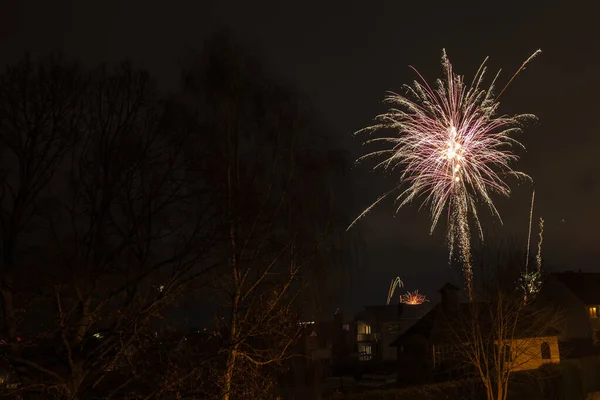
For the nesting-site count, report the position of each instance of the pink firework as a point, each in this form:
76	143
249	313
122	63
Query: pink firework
452	150
413	298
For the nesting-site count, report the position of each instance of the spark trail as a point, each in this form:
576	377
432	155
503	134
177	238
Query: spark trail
529	232
395	283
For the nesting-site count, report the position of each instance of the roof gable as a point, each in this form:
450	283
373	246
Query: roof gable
584	285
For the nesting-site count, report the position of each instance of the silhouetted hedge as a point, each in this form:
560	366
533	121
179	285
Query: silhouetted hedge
467	390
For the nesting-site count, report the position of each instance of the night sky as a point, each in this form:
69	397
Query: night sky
344	56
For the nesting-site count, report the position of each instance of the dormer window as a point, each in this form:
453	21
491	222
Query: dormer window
594	312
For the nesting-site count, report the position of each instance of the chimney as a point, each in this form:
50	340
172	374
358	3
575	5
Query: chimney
449	294
400	309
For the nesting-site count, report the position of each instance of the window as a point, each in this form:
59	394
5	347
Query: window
438	355
363	328
363	332
365	348
346	327
545	351
593	311
365	351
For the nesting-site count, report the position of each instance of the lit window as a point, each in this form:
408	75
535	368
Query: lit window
366	348
363	332
593	312
365	351
545	351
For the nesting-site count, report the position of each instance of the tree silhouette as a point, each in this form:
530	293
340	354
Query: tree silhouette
102	227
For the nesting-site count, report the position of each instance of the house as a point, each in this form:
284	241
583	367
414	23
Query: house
433	348
577	294
378	326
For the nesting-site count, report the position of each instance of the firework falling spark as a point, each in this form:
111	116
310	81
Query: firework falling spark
453	150
413	298
529	232
395	283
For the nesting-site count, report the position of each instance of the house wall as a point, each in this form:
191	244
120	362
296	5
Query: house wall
389	332
527	353
414	360
595	325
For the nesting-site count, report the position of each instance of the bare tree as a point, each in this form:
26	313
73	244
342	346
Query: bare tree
501	333
40	116
117	205
271	174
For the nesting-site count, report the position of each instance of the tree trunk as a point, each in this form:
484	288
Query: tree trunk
232	202
233	352
8	309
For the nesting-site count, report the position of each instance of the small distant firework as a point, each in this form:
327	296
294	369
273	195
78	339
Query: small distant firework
413	298
530	283
452	148
395	283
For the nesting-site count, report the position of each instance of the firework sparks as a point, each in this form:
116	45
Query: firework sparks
452	149
395	283
531	281
538	258
413	298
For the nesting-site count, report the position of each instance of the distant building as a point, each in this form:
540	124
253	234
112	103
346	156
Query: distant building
378	326
577	294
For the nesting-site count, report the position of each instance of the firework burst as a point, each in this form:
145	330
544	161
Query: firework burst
452	148
413	298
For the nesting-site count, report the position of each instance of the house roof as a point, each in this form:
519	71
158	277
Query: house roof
584	285
392	312
437	325
448	287
423	327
